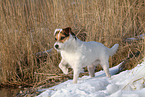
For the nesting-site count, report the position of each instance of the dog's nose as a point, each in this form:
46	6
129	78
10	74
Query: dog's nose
56	46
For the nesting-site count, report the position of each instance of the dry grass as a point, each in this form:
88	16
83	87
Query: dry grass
26	27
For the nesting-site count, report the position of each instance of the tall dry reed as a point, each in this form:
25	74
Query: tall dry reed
27	26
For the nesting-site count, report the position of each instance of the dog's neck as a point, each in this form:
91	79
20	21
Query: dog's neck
72	44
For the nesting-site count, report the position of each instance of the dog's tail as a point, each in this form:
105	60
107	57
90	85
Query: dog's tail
113	50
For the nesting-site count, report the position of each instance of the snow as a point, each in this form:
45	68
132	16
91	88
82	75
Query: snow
129	83
138	37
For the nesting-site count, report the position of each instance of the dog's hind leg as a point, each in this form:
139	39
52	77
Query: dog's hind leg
105	66
91	69
63	66
106	69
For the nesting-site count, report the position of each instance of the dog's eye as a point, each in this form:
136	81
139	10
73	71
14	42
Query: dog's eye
62	38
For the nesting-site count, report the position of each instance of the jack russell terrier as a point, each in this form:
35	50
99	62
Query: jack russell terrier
78	54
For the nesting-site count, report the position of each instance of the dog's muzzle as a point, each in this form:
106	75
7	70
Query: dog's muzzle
57	46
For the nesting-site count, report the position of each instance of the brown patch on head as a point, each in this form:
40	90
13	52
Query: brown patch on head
67	31
63	35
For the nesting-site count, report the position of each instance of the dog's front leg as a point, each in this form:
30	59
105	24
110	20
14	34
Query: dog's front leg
76	74
63	66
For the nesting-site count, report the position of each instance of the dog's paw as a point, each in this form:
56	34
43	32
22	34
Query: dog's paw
74	81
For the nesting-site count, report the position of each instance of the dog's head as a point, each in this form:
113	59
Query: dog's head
63	37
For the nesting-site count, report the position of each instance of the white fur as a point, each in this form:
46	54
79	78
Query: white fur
79	54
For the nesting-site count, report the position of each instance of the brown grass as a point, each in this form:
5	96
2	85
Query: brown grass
27	26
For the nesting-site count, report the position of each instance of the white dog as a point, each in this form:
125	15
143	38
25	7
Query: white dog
78	54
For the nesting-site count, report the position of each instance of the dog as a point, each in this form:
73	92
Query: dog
78	54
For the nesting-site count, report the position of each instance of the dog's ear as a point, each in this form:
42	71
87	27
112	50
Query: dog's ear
67	30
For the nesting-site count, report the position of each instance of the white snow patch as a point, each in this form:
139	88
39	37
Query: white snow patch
129	83
139	36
